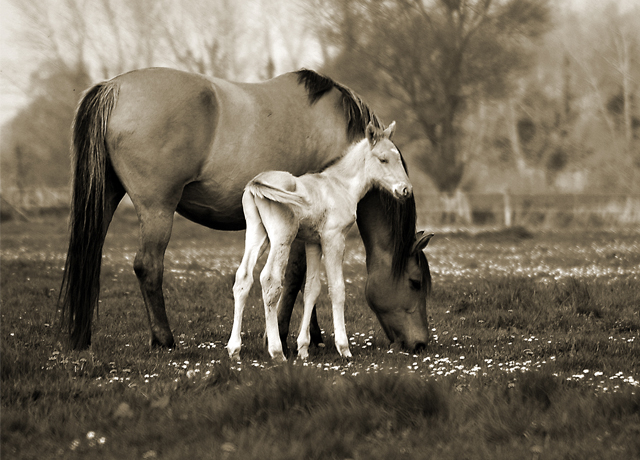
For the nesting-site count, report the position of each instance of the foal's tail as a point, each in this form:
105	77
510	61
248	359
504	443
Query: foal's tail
273	193
81	280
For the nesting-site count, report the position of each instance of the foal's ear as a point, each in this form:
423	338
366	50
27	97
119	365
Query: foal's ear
388	133
422	239
371	134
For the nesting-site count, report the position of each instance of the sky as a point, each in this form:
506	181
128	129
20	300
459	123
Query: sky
18	61
14	65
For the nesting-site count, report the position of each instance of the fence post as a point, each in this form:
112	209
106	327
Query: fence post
506	201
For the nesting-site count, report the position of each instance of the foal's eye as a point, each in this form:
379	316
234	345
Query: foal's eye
416	285
384	161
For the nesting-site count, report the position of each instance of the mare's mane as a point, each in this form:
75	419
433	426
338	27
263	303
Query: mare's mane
400	216
357	113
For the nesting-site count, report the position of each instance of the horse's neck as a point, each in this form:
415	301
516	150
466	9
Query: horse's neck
374	231
350	172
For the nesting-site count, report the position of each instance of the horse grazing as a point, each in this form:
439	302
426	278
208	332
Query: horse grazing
178	141
318	209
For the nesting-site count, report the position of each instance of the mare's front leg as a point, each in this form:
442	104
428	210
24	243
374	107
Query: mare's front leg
293	280
155	231
333	249
311	292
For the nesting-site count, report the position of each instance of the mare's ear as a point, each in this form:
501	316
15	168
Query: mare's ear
388	133
371	134
422	239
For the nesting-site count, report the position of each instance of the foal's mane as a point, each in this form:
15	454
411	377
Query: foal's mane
400	216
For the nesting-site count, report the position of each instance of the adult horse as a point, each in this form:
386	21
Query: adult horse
178	141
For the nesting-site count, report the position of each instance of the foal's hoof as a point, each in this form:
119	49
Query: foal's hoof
345	352
234	353
278	358
303	353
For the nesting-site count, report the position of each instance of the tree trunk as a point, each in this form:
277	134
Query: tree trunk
442	162
625	69
514	139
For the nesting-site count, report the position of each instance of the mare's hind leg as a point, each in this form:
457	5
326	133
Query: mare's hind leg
293	280
311	292
255	239
114	192
155	231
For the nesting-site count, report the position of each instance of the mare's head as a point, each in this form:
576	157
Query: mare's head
383	163
399	280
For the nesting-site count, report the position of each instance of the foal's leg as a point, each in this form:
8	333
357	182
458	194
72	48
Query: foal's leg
281	226
271	279
333	249
255	239
311	292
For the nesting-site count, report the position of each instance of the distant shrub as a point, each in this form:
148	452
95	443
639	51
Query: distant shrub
515	233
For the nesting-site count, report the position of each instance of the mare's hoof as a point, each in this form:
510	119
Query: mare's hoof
167	342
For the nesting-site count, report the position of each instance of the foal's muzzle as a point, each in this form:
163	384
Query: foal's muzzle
403	191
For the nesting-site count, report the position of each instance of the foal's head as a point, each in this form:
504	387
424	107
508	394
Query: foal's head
383	163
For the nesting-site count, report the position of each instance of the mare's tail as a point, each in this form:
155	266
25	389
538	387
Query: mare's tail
81	280
272	193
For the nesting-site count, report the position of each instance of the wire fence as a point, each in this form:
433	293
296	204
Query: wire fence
539	210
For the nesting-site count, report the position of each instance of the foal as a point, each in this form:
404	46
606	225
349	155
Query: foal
319	209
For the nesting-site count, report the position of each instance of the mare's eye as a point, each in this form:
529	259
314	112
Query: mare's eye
416	285
384	161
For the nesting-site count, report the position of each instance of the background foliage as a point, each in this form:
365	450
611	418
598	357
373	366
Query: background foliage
490	95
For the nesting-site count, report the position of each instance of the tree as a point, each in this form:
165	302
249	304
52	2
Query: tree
35	148
434	59
110	37
85	41
602	44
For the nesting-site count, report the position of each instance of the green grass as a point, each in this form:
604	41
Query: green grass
535	354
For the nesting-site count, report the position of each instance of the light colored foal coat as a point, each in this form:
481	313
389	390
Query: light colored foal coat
319	209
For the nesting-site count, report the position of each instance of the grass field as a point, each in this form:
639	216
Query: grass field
535	354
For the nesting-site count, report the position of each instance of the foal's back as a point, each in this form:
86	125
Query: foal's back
318	205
